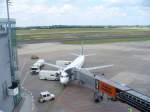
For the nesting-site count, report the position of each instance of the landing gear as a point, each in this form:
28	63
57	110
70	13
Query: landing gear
81	82
64	85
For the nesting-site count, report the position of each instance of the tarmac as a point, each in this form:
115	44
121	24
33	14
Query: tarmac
131	60
27	104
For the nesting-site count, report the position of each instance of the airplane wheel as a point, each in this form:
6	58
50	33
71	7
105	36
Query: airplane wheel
64	86
56	79
53	99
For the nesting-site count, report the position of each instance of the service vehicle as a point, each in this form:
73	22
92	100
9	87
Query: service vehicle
48	75
35	69
46	96
34	57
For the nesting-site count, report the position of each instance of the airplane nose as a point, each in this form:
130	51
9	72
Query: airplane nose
64	79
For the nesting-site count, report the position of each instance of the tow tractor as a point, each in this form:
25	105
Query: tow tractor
46	96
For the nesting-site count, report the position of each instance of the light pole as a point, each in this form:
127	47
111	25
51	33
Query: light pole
12	53
7	4
10	40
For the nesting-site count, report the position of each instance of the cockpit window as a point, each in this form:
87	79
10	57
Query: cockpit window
64	76
33	68
68	71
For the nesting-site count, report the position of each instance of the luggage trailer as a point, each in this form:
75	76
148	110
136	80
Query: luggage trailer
121	92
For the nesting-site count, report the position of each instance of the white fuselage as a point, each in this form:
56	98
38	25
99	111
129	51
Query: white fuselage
77	63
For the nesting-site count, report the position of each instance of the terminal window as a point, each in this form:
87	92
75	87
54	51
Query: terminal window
3	28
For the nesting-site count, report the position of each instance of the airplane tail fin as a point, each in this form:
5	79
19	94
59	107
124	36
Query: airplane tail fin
82	52
82	49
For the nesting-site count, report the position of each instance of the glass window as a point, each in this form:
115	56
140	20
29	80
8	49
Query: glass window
148	105
3	28
34	68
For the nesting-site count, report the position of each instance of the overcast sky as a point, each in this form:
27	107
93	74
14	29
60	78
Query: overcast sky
78	12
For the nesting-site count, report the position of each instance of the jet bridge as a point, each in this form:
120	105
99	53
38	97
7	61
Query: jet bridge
115	91
86	78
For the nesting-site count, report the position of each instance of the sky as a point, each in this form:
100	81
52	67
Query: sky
78	12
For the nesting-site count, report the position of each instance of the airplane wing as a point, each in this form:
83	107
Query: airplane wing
53	65
74	54
90	54
63	63
98	67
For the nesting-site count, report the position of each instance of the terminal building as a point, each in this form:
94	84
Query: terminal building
9	82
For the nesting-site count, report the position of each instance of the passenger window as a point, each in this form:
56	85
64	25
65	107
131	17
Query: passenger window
44	95
138	100
142	102
48	95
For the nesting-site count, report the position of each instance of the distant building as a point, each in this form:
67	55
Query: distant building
9	81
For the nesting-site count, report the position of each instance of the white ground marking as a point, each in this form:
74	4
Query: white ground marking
23	66
24	78
32	102
26	90
21	70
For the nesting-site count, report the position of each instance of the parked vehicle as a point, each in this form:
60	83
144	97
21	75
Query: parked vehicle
34	57
46	96
48	75
35	69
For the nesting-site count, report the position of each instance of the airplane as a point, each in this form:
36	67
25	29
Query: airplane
66	72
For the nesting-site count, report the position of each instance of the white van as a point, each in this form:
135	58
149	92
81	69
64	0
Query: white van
48	75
